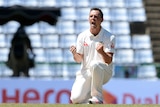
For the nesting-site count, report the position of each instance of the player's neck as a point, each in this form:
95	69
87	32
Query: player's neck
95	31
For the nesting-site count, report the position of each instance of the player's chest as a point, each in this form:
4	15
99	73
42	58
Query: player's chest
90	42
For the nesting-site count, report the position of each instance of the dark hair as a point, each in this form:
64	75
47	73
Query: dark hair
100	11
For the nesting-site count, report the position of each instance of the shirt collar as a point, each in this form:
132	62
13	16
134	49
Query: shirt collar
91	35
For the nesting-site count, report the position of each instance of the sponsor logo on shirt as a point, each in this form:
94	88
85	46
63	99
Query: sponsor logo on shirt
85	44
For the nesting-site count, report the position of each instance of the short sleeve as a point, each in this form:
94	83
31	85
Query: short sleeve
79	44
110	46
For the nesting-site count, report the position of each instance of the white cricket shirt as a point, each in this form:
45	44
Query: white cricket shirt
86	45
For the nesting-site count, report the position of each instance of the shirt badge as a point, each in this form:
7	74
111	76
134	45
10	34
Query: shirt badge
85	44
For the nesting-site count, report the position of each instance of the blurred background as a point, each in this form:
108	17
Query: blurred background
52	27
134	22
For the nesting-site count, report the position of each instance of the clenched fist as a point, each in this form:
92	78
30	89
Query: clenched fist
73	49
99	48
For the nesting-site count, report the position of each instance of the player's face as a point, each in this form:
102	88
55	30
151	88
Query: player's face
95	19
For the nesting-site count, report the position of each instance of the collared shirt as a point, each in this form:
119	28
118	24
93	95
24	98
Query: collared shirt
87	43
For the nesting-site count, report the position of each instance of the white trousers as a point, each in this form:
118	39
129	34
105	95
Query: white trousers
90	83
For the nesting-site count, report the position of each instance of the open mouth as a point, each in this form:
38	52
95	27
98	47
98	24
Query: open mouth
93	23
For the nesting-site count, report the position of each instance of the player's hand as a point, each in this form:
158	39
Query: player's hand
99	48
73	49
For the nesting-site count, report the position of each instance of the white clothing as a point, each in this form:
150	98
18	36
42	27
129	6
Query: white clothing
94	72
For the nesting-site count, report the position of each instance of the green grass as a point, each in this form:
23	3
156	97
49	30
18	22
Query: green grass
77	105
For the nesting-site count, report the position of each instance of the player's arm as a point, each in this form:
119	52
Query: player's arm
107	56
77	57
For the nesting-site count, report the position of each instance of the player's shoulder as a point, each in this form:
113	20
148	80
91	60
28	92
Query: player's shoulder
107	35
85	32
106	32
